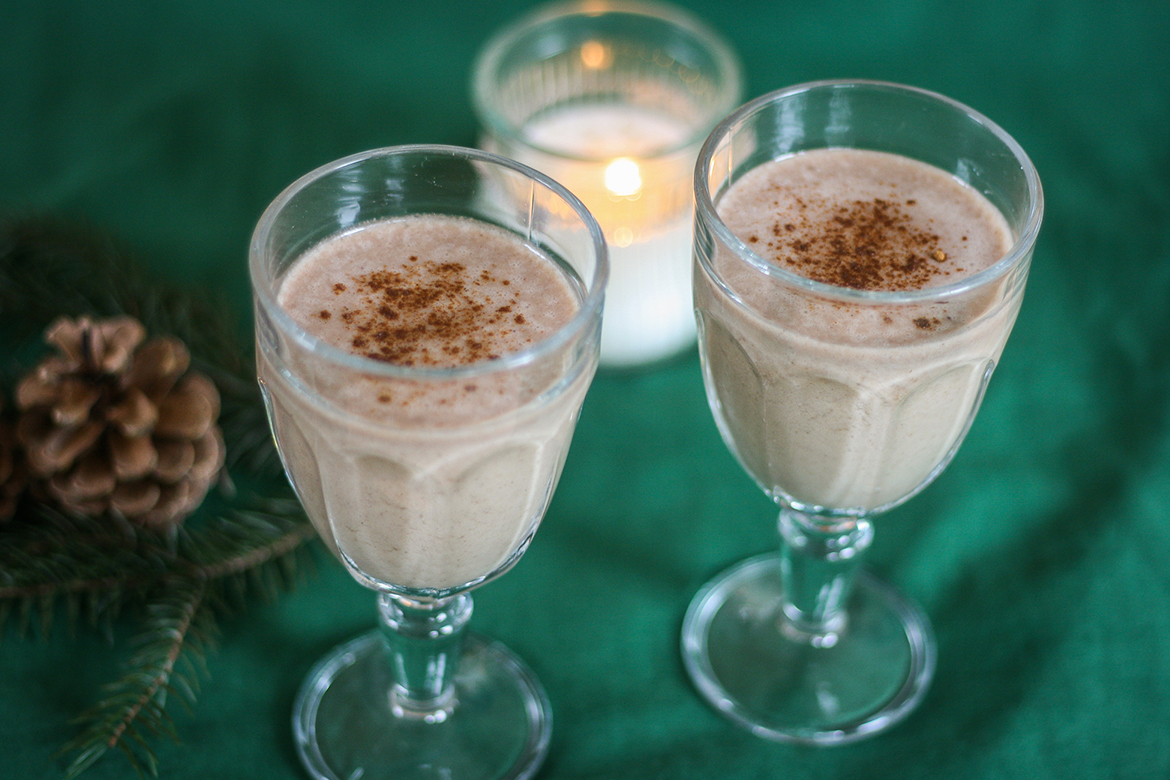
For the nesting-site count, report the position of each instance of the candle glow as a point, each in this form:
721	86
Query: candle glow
596	55
623	178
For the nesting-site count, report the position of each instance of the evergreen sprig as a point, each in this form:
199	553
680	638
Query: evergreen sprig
95	570
134	707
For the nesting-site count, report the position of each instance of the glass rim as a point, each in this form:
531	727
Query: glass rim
264	287
1021	247
491	53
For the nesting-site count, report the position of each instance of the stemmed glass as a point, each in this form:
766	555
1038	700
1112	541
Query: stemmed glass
425	500
838	427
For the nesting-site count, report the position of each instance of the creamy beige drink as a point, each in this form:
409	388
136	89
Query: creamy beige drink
843	401
426	483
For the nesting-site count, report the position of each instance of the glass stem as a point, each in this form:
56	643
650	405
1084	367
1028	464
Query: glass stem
424	640
819	560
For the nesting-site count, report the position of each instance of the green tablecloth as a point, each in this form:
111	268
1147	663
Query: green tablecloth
1042	555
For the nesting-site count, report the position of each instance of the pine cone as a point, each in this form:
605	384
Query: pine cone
110	423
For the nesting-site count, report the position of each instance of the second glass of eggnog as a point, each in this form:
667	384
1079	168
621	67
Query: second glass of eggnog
860	256
427	324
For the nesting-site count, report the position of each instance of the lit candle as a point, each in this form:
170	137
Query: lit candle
642	200
614	103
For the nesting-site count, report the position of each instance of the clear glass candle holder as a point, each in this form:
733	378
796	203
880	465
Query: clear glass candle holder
613	100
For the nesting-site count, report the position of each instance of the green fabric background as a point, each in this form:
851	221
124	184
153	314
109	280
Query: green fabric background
1042	555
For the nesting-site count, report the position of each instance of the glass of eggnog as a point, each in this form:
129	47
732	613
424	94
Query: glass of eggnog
427	324
860	253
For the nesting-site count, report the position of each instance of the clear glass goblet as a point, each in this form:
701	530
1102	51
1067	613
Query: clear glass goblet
423	505
838	424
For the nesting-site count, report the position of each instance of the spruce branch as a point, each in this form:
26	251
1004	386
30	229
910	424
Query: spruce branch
239	544
134	706
68	556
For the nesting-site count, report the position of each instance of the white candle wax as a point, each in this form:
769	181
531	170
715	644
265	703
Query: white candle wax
624	163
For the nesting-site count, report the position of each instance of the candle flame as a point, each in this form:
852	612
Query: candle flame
596	55
623	178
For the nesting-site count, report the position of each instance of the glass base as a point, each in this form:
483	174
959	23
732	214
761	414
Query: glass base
825	689
346	728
